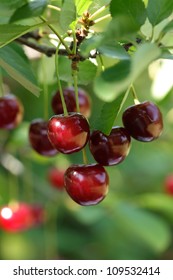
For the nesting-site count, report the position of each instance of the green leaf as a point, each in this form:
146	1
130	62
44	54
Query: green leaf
18	69
68	14
121	28
32	9
114	50
87	71
97	4
109	48
113	81
132	9
108	114
158	10
91	44
168	27
118	78
82	6
10	32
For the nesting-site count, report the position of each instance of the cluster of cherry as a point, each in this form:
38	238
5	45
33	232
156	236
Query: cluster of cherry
87	184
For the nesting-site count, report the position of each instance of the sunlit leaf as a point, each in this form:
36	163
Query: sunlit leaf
10	32
18	69
158	10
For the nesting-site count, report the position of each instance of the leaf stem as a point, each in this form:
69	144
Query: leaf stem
75	81
59	82
99	11
54	7
85	159
135	98
102	18
57	34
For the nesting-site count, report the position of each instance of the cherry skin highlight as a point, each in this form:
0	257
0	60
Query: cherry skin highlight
11	112
143	121
86	184
111	149
70	100
68	134
38	138
56	178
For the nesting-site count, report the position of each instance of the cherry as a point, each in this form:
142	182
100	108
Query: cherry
39	139
86	184
70	100
11	111
68	134
56	178
111	149
143	121
169	184
16	217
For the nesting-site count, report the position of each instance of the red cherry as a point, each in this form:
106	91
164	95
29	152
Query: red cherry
39	139
86	184
68	134
56	178
143	121
70	100
169	184
16	217
111	149
11	111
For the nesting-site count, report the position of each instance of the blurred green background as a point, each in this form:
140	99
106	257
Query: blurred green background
135	221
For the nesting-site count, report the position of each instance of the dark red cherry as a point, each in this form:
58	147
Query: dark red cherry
56	177
168	184
111	149
70	100
11	111
86	184
143	121
68	134
16	217
38	138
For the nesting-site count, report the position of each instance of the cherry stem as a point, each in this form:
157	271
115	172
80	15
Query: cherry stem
85	159
1	84
57	34
59	82
75	80
54	8
102	18
45	91
99	11
135	98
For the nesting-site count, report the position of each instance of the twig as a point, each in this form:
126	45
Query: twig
49	51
